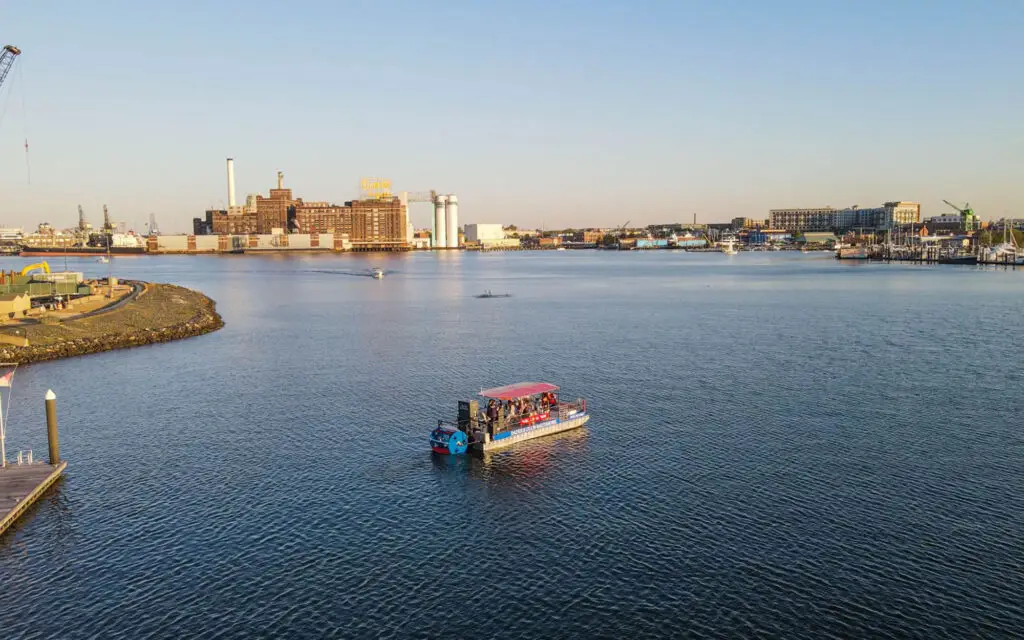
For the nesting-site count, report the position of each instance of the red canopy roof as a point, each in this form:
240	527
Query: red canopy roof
518	390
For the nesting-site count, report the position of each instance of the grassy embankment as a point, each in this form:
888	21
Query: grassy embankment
160	313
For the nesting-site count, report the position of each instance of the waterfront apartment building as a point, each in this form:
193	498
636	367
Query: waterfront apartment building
814	219
888	216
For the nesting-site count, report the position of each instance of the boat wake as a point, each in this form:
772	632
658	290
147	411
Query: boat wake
371	273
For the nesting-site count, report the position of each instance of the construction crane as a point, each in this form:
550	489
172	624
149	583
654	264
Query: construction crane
968	220
7	56
42	266
109	227
966	210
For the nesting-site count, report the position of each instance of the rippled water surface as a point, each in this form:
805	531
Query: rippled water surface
781	445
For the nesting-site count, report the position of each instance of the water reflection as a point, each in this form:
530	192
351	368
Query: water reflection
531	460
55	516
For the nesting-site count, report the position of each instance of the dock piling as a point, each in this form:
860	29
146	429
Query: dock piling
51	426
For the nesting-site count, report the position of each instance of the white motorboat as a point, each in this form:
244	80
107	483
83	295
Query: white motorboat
377	273
729	246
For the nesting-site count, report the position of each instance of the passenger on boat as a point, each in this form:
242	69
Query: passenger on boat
492	415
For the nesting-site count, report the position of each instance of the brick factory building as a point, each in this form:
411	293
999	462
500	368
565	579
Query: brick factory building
318	217
379	223
368	224
276	211
221	222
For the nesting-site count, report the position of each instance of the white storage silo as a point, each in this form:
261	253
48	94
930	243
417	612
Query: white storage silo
440	235
452	222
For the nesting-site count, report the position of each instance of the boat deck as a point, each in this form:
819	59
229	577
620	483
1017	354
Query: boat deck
508	438
21	485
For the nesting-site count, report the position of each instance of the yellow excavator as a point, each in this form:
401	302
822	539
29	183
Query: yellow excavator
32	267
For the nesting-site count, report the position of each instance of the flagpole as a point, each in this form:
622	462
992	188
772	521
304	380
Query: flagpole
5	381
3	437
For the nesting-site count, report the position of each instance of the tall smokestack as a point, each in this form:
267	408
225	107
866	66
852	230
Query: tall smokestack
231	182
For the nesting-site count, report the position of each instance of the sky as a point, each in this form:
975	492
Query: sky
541	113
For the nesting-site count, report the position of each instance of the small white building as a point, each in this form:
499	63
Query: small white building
484	233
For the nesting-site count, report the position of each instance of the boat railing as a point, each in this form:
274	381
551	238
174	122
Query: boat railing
562	410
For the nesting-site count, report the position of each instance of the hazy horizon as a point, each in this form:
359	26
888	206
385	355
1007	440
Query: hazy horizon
555	114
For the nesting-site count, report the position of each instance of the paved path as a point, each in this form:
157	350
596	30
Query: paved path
137	289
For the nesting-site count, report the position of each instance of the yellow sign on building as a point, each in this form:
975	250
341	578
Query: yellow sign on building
376	188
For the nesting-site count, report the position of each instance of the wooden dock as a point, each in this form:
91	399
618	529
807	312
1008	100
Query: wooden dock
21	485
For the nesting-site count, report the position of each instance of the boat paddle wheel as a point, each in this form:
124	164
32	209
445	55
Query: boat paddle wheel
448	439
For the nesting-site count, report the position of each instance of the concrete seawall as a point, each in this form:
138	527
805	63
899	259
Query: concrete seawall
161	313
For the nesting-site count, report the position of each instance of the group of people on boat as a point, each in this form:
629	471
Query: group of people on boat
520	410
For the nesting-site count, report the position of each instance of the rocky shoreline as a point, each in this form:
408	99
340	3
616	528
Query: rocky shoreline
160	313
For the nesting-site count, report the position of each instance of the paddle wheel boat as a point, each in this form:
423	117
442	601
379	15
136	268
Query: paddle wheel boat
513	413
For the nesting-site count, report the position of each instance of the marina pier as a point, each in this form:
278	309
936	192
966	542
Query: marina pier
25	481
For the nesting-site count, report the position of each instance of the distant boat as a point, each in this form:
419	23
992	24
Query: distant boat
1005	253
103	259
852	253
729	246
377	273
958	259
488	294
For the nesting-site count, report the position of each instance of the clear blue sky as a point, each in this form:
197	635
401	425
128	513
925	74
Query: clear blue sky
534	112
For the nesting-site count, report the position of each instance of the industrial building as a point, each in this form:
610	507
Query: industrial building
321	217
370	224
276	211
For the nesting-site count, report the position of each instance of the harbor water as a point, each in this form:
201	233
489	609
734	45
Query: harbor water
781	445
